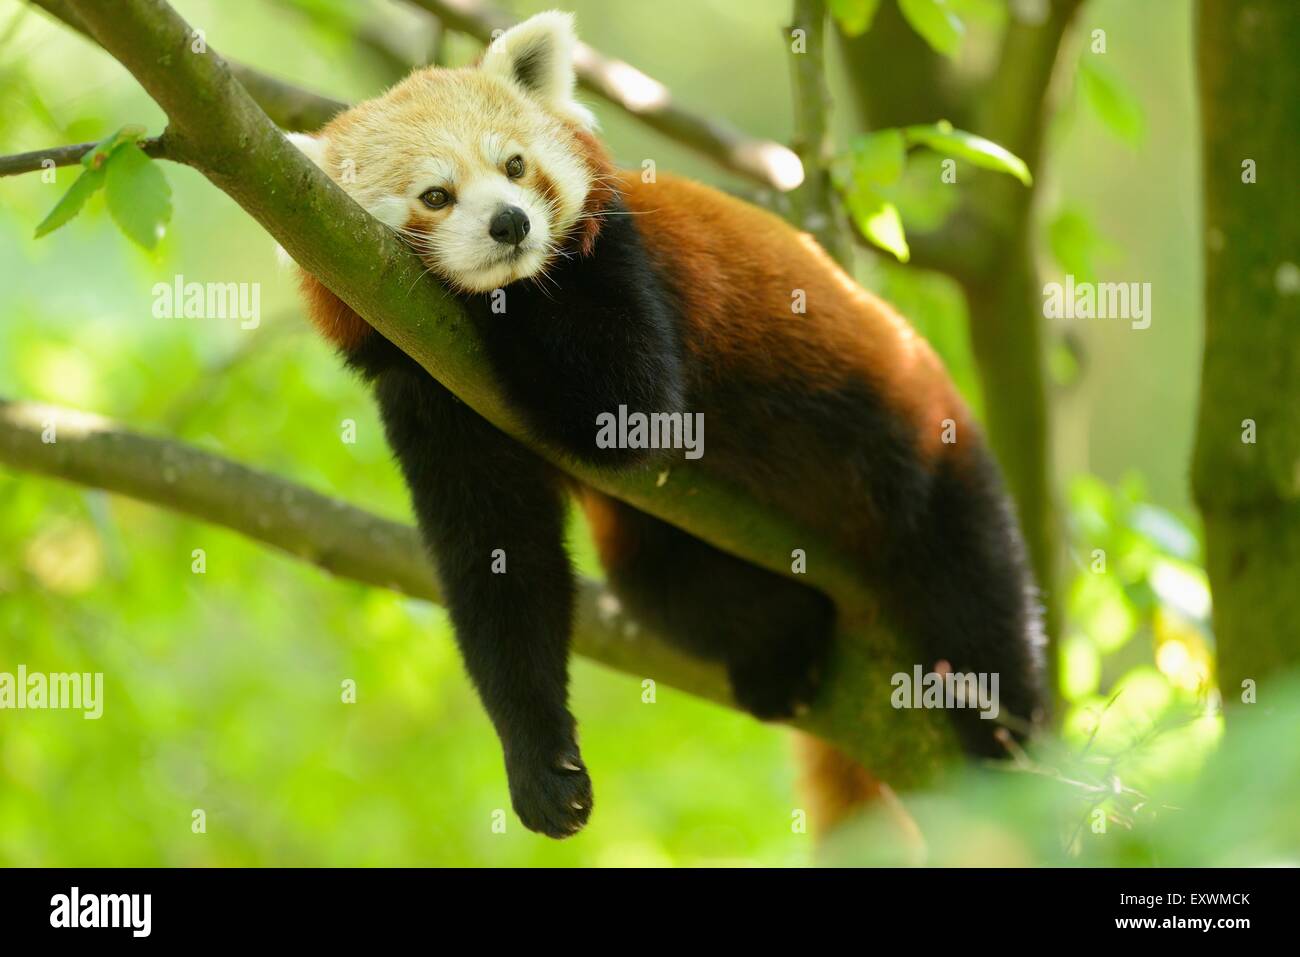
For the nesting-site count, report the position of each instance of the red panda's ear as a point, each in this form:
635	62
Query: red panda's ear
537	56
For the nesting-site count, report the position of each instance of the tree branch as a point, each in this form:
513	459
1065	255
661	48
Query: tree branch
815	209
1013	112
957	249
897	79
339	538
68	156
216	127
765	162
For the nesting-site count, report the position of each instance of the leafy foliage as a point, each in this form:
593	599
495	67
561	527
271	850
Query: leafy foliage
137	192
867	176
1138	803
943	138
83	187
1134	777
936	22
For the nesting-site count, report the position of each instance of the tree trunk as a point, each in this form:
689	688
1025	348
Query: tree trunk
1246	469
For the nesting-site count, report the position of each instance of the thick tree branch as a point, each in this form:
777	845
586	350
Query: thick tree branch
216	127
765	162
340	538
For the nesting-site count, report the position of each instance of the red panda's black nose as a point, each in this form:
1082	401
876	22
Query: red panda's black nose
510	226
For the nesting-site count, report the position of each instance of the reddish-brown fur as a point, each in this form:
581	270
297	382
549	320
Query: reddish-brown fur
603	188
614	541
333	318
738	266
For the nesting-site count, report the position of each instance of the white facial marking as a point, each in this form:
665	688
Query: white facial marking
465	250
390	210
433	171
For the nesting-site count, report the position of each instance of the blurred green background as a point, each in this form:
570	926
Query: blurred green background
223	689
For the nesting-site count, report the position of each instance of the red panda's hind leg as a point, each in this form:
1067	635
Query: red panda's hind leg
773	634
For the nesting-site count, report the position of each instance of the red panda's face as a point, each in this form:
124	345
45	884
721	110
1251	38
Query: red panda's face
492	199
483	170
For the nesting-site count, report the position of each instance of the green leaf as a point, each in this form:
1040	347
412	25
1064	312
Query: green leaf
878	158
936	23
878	220
854	16
90	181
138	195
107	146
1117	108
943	138
70	203
1074	243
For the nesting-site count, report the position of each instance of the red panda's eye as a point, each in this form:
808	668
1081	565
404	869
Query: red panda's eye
435	198
515	167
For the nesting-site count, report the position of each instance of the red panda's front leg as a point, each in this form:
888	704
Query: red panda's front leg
492	515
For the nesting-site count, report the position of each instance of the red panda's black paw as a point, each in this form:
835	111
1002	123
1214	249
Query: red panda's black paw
552	797
773	691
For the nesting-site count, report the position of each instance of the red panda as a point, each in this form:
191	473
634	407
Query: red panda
664	297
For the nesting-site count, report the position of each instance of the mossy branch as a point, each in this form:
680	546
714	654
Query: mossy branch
340	538
66	156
